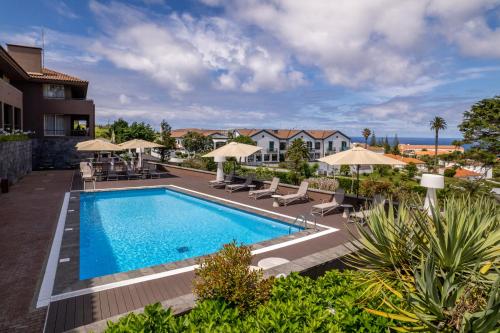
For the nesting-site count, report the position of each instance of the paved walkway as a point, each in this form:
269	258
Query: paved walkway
28	216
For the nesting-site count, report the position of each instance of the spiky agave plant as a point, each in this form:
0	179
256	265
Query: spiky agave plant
439	260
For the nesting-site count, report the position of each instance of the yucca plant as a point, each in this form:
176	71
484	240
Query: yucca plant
439	261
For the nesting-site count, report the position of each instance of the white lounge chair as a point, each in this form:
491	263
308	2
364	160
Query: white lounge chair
267	191
364	214
326	207
87	174
236	187
301	195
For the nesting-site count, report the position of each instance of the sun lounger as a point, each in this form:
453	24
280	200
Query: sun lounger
236	187
228	179
133	175
87	176
326	207
363	214
301	195
266	192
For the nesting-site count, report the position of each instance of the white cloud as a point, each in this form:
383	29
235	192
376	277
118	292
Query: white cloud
395	110
64	10
179	51
124	99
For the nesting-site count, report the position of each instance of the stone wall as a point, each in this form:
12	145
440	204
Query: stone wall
15	159
57	152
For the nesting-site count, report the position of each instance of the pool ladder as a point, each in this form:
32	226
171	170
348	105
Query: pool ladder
301	220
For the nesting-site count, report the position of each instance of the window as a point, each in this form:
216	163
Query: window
17	119
266	158
271	145
317	145
330	145
344	146
53	91
53	125
309	145
274	157
258	158
282	145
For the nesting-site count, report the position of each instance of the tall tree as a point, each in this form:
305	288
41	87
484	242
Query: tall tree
165	139
373	140
140	131
437	124
120	128
196	142
366	134
395	145
387	146
297	154
481	125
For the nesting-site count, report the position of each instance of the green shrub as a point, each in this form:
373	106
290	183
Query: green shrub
449	172
371	187
227	276
14	137
334	302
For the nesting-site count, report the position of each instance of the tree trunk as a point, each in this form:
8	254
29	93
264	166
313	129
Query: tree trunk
366	143
436	152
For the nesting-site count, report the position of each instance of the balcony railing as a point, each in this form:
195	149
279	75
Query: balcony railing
272	150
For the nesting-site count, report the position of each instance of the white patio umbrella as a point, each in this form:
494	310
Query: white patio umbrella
232	149
359	156
139	144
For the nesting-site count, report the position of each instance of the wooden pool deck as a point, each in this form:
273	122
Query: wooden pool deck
90	311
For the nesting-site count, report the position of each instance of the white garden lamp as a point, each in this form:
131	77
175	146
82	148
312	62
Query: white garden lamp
220	167
432	182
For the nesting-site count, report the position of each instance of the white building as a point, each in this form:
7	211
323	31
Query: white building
219	137
275	143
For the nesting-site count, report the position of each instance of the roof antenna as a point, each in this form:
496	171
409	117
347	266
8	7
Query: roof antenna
43	49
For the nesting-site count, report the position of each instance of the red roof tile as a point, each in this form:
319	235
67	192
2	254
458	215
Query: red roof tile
51	75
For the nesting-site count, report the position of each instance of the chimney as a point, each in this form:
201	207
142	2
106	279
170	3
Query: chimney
29	57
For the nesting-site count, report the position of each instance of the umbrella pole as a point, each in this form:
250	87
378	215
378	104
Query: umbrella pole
357	185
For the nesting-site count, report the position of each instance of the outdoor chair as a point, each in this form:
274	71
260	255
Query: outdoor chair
247	184
267	191
326	207
301	195
228	179
362	215
88	176
133	175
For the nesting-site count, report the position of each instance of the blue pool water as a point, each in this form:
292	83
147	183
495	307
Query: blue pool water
126	230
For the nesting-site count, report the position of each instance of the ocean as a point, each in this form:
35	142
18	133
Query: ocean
411	141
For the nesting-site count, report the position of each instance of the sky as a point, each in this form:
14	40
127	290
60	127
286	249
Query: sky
388	65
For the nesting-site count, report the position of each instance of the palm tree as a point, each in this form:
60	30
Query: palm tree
437	124
366	134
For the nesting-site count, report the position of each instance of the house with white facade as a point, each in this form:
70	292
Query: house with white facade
219	137
275	143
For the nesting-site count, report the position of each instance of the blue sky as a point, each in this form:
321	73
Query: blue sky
388	65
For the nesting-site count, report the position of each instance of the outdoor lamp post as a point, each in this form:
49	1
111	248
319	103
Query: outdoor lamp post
220	168
432	182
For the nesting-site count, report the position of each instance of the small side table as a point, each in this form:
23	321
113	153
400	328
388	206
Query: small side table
347	207
276	202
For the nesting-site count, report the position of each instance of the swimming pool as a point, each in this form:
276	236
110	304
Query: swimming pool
131	229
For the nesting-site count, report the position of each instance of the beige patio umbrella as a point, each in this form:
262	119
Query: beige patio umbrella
232	149
97	145
359	156
139	144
